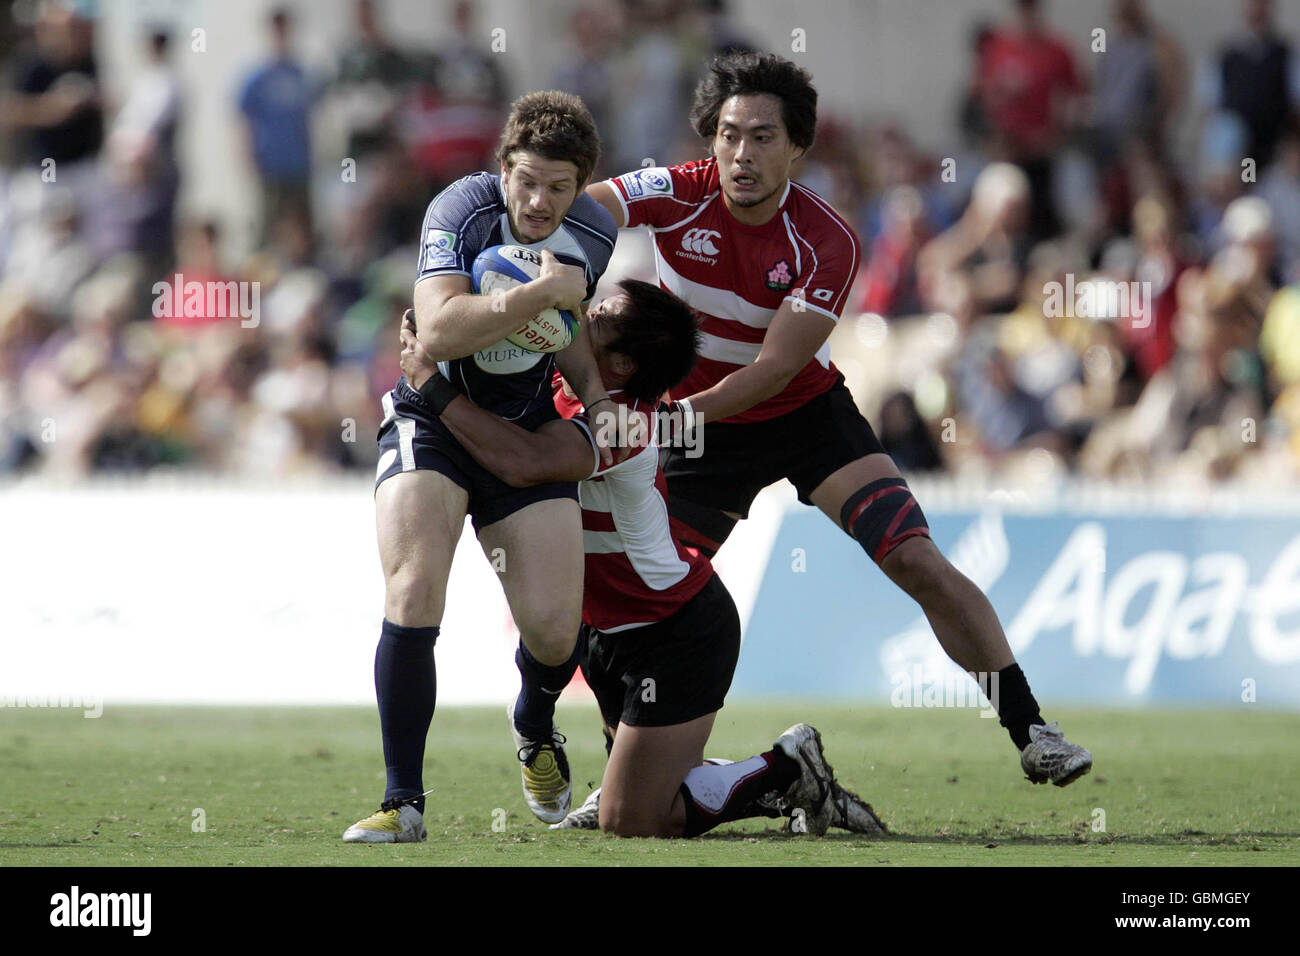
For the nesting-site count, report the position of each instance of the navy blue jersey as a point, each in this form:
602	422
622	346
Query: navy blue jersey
470	216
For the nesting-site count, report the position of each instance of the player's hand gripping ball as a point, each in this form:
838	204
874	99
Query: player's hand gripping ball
500	268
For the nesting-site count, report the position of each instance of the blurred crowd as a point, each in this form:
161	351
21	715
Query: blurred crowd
1064	289
1098	302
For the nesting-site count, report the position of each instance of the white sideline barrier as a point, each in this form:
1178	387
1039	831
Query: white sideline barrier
177	589
191	590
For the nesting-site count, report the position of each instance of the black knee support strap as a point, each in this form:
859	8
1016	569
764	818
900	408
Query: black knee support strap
882	515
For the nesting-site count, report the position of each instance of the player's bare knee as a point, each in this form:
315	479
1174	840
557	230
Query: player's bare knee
552	650
639	829
410	597
624	820
608	815
919	568
550	638
414	612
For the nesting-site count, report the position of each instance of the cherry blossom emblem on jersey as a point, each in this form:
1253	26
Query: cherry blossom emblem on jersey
778	277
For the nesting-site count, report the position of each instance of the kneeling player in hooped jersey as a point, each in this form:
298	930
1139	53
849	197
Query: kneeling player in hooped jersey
660	630
769	265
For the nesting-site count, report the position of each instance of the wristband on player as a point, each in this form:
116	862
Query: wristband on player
688	413
438	393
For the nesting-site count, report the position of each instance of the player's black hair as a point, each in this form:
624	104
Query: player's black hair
658	331
555	125
744	74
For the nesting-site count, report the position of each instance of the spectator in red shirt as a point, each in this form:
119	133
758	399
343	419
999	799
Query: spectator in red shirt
888	283
1149	335
1030	90
199	261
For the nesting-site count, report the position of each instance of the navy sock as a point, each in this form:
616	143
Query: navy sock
540	687
1016	706
715	795
406	685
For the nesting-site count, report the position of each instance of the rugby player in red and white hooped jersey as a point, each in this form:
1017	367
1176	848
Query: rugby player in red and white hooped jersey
769	264
660	631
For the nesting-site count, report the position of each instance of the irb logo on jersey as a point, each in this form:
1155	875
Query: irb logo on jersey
647	183
440	241
439	247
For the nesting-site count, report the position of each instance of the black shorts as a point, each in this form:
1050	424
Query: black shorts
806	446
412	438
669	672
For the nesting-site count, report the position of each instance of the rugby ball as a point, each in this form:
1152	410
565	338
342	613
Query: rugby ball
499	268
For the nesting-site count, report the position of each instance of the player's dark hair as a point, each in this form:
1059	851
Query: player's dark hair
658	331
747	74
555	125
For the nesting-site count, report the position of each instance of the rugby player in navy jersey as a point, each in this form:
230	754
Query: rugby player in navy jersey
660	631
768	265
426	483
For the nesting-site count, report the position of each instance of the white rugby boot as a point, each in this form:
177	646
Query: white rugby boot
545	773
811	796
394	822
850	812
1050	758
586	817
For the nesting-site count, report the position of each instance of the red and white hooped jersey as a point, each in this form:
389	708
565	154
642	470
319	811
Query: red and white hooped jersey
636	572
737	276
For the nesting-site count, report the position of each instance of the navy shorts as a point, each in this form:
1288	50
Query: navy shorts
412	438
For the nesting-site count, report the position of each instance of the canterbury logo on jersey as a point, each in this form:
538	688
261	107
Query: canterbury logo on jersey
701	241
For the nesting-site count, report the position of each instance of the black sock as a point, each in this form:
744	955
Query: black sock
1015	704
540	687
406	685
715	795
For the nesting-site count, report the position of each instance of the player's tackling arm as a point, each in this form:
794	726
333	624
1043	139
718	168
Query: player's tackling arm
453	322
603	193
578	366
557	451
791	341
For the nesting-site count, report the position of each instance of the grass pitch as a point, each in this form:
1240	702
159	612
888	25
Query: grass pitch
197	786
